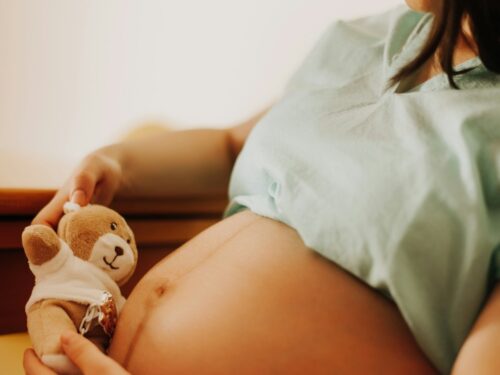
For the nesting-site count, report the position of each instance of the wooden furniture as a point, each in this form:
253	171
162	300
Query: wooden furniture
160	226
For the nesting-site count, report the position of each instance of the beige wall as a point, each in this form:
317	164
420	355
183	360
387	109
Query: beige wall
75	74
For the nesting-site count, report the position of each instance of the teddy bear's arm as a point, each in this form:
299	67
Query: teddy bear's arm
40	243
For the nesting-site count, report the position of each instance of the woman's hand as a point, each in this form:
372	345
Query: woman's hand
95	180
84	354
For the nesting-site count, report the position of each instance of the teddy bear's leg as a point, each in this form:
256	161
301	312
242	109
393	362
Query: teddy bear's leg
46	321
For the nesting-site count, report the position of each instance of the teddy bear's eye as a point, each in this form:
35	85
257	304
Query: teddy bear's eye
113	226
128	241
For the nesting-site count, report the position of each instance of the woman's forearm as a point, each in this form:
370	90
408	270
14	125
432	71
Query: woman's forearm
174	163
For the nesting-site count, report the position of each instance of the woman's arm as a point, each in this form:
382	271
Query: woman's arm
173	163
189	162
480	354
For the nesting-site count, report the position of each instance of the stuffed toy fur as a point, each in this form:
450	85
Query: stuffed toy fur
77	271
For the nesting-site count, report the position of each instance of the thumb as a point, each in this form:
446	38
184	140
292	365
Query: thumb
87	357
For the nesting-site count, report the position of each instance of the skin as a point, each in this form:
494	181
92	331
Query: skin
423	5
245	295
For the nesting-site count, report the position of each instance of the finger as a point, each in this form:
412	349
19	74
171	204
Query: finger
103	193
87	357
106	187
33	366
82	187
52	212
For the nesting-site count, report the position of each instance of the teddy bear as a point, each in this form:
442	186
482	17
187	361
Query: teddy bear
78	271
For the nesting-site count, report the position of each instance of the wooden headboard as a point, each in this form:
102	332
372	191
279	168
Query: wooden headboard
159	225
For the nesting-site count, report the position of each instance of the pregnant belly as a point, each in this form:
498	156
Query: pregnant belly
247	296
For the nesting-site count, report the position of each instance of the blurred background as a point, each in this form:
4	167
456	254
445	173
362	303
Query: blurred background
75	75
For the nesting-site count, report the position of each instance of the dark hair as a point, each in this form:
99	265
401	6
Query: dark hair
484	18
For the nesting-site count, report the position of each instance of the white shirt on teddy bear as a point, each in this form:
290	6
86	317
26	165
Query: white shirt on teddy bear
69	278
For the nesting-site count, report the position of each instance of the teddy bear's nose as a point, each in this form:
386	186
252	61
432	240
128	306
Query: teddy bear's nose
118	250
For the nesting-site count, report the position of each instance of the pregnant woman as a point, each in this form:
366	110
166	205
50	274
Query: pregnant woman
362	228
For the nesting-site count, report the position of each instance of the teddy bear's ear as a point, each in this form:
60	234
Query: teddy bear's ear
71	207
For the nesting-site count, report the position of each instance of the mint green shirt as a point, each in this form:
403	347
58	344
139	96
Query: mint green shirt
400	188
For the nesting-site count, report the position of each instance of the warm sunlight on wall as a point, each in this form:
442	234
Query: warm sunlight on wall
75	74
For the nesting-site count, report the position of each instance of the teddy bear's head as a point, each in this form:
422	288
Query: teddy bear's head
101	236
